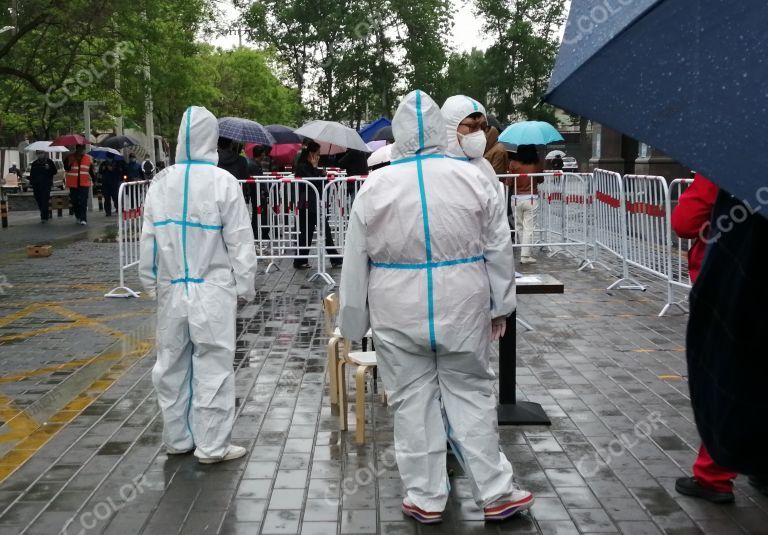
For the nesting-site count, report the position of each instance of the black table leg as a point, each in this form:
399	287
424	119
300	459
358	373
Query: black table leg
511	411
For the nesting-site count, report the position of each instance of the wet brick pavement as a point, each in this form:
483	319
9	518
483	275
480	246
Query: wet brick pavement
609	373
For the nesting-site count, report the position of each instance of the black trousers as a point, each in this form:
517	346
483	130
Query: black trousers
259	203
307	224
42	198
79	198
110	197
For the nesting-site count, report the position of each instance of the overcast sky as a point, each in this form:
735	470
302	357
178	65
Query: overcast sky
467	27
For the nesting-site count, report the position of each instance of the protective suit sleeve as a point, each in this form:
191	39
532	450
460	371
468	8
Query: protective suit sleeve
499	257
238	237
148	249
355	273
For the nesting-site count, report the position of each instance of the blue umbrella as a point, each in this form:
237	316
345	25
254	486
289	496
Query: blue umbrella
245	131
685	77
100	153
283	134
530	133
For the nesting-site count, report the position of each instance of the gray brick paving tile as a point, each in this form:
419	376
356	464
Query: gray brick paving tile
49	522
203	523
638	528
719	527
260	469
287	499
281	522
358	497
232	527
319	528
254	488
549	509
358	521
291	479
125	522
751	519
592	521
321	510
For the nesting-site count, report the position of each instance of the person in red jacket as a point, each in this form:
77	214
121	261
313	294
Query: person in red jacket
690	220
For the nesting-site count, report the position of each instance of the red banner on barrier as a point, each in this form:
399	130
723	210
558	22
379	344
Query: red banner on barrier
646	208
607	199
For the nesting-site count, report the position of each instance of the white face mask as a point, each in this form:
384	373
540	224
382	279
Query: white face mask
473	144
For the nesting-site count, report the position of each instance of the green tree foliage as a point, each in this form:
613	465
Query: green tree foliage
247	88
525	42
64	53
349	56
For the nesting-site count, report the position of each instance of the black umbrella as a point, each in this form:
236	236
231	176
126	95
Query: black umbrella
119	142
687	77
283	134
384	134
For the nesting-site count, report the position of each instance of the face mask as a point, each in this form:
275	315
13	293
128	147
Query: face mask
473	144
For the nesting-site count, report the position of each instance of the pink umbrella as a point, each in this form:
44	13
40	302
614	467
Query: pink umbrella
69	139
281	153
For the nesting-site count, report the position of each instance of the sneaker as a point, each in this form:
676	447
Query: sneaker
527	260
337	263
689	486
301	265
83	223
171	451
233	452
509	506
760	483
420	515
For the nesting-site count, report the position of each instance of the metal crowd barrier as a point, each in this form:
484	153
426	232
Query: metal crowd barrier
647	214
678	277
285	215
610	227
338	195
561	210
130	212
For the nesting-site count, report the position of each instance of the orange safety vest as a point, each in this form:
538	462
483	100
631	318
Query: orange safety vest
79	172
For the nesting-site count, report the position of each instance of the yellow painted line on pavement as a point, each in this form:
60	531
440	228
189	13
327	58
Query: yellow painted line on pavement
58	367
84	320
17	421
59	328
643	351
95	287
671	377
26	311
35	438
22	304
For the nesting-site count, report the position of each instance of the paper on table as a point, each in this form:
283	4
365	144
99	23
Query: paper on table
529	279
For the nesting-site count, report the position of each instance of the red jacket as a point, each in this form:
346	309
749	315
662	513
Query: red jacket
691	215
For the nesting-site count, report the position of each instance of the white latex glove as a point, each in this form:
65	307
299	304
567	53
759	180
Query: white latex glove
498	327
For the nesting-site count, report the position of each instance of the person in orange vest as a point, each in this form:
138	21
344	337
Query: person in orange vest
78	178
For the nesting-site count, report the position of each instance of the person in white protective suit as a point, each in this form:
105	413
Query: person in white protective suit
197	256
427	265
464	119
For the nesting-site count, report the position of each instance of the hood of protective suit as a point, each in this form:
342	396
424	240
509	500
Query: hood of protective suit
198	136
418	127
456	109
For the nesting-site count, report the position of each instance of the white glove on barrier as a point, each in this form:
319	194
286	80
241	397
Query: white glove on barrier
498	327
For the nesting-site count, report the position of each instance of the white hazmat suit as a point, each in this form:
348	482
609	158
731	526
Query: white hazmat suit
425	258
197	254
